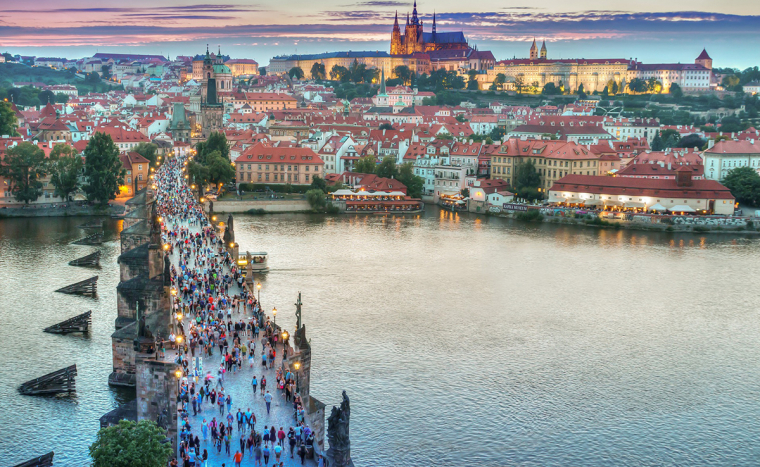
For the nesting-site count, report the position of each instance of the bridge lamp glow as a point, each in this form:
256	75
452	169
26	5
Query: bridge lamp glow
178	374
297	366
166	246
174	291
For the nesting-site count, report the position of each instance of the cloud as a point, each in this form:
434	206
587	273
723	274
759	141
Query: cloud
206	8
380	3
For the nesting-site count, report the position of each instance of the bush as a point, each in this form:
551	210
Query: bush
287	188
530	215
257	211
331	209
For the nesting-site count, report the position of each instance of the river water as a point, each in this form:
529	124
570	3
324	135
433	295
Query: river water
460	340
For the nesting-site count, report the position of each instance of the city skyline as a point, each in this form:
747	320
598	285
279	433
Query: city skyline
262	30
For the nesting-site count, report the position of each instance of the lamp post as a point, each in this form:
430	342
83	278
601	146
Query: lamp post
178	374
258	289
296	367
274	313
285	337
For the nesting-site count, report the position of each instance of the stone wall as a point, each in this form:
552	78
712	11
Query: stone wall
157	393
266	205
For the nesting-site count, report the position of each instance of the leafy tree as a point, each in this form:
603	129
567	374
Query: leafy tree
527	180
461	118
147	150
263	71
550	89
472	81
744	183
339	73
654	85
105	72
657	143
64	173
637	85
519	83
581	91
386	126
61	150
465	192
220	170
365	165
130	444
92	78
499	80
316	199
24	166
414	183
371	75
691	141
46	96
199	174
296	73
318	71
319	183
387	167
217	141
403	73
103	170
357	71
732	124
61	98
8	122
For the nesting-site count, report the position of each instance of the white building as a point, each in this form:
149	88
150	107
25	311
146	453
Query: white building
727	155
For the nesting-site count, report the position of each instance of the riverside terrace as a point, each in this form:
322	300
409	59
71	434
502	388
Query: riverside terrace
202	247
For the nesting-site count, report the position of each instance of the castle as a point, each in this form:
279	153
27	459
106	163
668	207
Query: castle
415	40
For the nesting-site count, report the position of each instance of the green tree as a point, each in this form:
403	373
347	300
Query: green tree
676	91
527	180
61	98
319	183
550	89
147	150
220	170
199	174
318	71
45	97
465	192
744	183
386	126
519	83
316	199
414	183
131	444
581	92
8	122
217	141
339	73
103	171
472	81
62	150
296	73
365	165
637	85
387	167
64	174
657	143
357	71
24	166
499	81
403	73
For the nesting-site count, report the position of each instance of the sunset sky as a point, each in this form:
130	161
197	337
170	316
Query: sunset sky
654	31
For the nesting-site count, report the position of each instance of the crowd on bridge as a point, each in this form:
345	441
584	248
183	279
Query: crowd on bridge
216	318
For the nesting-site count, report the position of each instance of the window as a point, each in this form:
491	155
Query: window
307	177
267	177
139	166
259	177
307	169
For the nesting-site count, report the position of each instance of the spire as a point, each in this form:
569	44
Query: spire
395	22
407	18
433	22
382	92
415	20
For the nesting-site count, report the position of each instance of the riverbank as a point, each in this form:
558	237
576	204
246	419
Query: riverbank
270	206
62	210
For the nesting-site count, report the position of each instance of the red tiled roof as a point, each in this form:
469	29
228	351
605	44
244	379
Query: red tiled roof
700	189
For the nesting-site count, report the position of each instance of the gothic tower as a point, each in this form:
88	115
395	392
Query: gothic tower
543	50
534	50
396	45
704	60
433	39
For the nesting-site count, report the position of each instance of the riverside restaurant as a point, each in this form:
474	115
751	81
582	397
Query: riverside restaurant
377	201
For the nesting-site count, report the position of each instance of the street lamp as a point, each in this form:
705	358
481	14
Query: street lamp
274	313
258	288
296	367
285	336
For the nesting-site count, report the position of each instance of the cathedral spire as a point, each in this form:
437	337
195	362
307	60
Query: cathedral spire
433	21
415	20
407	18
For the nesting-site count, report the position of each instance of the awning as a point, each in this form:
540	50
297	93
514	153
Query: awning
592	202
573	200
634	204
556	199
682	208
658	207
611	202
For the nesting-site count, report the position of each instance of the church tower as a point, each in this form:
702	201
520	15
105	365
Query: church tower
413	35
396	45
534	51
212	110
543	50
704	60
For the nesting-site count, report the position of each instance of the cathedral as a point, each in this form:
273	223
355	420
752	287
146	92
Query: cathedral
415	40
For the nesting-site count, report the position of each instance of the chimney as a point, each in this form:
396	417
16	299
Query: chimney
710	144
683	177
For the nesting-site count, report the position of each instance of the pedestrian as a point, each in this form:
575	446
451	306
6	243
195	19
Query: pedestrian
277	453
302	453
281	437
257	454
204	429
254	383
291	440
238	458
240	419
268	399
265	453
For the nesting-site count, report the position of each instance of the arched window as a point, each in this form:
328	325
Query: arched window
209	76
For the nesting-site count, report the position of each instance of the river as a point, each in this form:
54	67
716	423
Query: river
461	340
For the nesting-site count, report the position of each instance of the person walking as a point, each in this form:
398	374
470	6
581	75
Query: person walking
281	437
254	383
238	458
291	440
265	453
302	453
277	453
257	454
268	399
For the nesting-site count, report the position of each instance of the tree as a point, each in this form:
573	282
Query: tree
318	71
386	126
46	96
61	150
130	444
527	180
519	83
296	73
339	73
365	165
403	73
581	92
675	91
319	183
499	80
263	71
216	141
637	85
550	89
103	171
744	183
105	72
199	174
24	166
465	192
147	150
657	143
220	170
414	183
461	118
357	71
61	98
64	173
472	81
316	199
8	122
387	167
691	141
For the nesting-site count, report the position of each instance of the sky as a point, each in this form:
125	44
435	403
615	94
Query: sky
650	31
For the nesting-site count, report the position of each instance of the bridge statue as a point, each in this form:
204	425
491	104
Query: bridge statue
337	434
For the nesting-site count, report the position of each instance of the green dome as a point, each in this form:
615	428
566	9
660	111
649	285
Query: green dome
222	69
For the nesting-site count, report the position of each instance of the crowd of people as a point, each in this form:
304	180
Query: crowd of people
217	319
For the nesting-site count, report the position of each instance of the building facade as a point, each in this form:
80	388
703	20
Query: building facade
415	39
